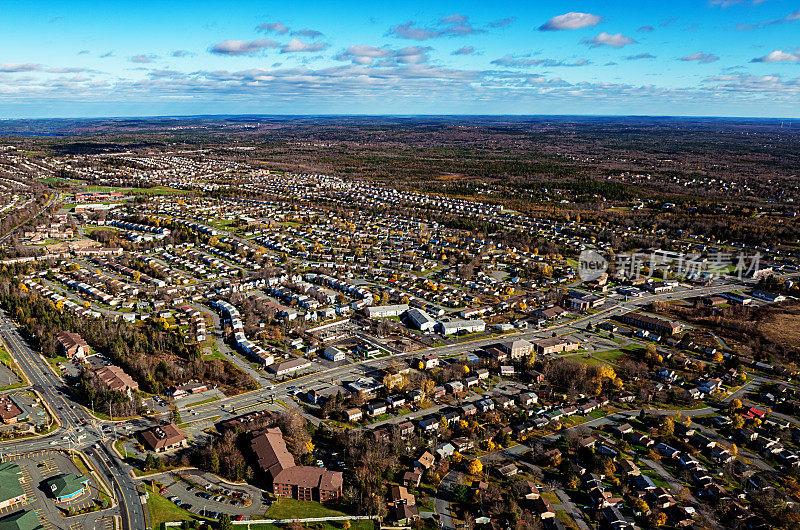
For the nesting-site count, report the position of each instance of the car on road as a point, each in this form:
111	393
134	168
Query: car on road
54	442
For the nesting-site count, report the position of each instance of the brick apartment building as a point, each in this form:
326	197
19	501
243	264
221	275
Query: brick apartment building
288	480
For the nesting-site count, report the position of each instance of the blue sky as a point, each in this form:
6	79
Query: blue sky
122	58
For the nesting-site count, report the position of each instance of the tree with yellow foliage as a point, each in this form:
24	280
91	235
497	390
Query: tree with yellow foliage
605	371
641	506
475	467
660	519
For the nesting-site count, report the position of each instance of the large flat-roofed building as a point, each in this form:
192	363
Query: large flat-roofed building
9	411
659	325
68	486
24	520
420	320
457	326
383	311
291	366
553	345
11	492
163	438
288	480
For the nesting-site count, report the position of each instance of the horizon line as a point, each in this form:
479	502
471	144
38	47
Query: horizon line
388	115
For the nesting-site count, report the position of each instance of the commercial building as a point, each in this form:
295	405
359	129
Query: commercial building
24	520
383	311
9	411
334	354
290	366
11	492
420	320
163	438
457	326
553	345
67	486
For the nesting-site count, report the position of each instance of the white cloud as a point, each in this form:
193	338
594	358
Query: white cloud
66	70
273	27
778	56
19	67
143	59
450	26
412	55
724	4
241	47
412	32
525	61
305	32
502	23
465	50
791	17
700	57
456	18
640	56
298	46
571	20
617	40
384	57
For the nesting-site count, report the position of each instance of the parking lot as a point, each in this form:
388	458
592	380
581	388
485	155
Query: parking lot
201	492
7	376
42	465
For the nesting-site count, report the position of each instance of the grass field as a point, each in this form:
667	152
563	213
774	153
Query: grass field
157	190
6	359
333	525
162	511
291	508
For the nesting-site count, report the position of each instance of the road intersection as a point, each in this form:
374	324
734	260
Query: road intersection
97	443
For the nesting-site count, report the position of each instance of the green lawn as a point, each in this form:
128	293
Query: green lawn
157	190
331	525
161	510
656	478
6	359
290	508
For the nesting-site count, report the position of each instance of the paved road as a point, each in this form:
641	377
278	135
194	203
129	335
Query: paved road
72	417
53	198
353	370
